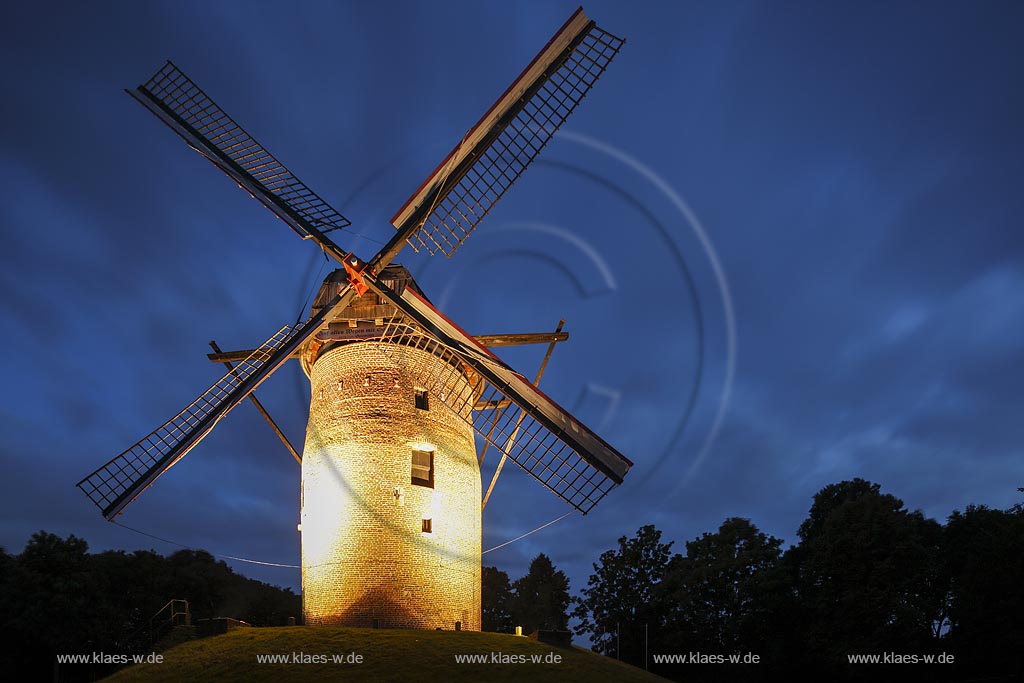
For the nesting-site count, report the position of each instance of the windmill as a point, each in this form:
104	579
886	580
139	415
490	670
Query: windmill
391	492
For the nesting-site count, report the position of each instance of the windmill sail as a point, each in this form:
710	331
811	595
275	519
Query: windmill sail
120	481
494	153
183	106
535	432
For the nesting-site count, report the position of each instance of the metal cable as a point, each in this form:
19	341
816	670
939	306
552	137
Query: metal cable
528	533
188	547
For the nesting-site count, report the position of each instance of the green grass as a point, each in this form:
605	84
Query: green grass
388	655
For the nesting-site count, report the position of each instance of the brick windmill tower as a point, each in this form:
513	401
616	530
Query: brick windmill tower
390	500
390	479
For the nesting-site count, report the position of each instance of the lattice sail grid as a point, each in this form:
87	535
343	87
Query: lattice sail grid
132	470
461	205
537	449
187	103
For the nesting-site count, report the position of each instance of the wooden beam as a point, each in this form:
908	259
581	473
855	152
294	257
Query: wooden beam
522	339
263	411
485	339
235	356
515	431
491	405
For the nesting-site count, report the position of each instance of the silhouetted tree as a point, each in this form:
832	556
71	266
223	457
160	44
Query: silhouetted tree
1018	508
620	598
496	601
984	552
541	598
723	594
867	575
56	598
53	602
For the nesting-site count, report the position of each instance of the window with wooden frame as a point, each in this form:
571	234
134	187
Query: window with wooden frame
423	468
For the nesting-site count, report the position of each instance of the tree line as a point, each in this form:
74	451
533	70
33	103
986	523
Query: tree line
867	577
57	598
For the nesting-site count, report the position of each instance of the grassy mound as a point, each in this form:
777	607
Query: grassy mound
331	654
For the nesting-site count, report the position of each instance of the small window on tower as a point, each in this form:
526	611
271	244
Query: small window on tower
428	526
422	401
423	468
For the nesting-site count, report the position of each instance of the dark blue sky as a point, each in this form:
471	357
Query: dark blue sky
856	166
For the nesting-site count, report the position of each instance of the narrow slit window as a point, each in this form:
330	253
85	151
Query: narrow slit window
423	468
422	400
390	284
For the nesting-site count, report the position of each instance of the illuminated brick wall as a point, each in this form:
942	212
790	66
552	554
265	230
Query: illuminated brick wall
365	558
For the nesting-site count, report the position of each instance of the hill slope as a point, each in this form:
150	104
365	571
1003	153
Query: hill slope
387	655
